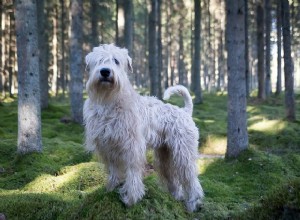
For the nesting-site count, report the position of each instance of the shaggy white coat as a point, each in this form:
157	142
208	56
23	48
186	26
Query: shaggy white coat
120	125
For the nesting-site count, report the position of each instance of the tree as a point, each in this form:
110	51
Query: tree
128	32
29	110
196	78
247	49
260	49
288	63
94	23
44	87
153	48
235	43
120	23
268	47
278	27
76	60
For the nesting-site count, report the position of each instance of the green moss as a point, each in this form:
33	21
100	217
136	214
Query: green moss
65	182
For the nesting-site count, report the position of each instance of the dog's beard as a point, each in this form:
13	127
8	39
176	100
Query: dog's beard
103	90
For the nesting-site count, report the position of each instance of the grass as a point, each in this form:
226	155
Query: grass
64	182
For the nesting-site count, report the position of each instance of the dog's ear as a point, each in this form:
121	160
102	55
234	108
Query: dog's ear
129	64
90	61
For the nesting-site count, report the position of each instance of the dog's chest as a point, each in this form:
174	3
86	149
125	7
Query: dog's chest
114	126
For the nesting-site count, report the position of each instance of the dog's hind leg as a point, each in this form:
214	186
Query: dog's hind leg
185	166
165	166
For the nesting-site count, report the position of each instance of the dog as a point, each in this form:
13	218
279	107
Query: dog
120	125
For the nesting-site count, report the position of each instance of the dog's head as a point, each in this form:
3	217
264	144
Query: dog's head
108	66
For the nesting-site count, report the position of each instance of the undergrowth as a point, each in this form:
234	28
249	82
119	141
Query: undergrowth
65	182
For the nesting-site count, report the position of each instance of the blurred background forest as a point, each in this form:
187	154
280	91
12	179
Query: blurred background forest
127	23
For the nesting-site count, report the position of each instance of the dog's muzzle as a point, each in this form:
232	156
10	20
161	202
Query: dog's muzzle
106	76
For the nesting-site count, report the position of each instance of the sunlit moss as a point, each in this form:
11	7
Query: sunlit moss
272	126
214	145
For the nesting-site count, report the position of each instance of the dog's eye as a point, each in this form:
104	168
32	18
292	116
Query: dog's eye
116	61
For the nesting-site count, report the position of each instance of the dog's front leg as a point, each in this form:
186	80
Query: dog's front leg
133	188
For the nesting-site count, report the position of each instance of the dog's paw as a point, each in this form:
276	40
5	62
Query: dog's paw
112	184
131	196
194	205
178	195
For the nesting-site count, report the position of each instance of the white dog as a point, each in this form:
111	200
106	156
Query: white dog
120	124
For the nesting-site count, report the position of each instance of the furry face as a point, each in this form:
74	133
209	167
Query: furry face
107	66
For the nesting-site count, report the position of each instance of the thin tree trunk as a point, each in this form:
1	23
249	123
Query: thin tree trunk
268	47
54	51
128	32
196	82
278	26
237	116
29	110
42	54
288	63
120	23
76	60
181	68
11	54
63	49
1	48
94	23
260	50
247	50
159	50
153	49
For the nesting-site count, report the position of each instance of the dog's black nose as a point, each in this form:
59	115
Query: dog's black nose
105	72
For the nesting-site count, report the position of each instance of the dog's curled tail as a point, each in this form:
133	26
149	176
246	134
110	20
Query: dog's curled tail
182	91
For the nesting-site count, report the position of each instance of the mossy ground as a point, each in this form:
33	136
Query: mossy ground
64	182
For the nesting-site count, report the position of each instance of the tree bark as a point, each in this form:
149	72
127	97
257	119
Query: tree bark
63	48
129	20
120	23
278	27
196	77
42	54
268	47
235	42
153	49
1	48
247	49
29	110
94	23
260	50
76	60
288	63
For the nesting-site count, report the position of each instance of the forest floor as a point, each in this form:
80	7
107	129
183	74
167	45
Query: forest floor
64	182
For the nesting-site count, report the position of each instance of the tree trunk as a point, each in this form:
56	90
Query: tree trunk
235	41
120	23
1	48
181	65
196	77
29	109
268	47
153	49
54	51
260	50
128	35
94	23
11	54
247	49
76	60
42	54
63	49
288	63
278	26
